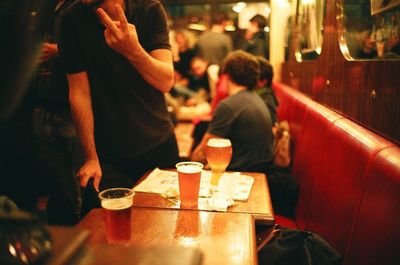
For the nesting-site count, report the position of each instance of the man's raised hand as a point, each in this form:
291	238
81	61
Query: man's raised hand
119	34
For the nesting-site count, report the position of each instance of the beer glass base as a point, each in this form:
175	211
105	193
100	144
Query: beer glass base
189	204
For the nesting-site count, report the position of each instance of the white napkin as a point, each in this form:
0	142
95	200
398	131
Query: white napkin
222	198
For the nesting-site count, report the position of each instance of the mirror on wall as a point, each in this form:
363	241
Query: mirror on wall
370	29
310	28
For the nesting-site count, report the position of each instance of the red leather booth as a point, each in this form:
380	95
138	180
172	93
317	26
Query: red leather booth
349	181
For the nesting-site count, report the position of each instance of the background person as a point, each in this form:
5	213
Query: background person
256	39
214	45
264	87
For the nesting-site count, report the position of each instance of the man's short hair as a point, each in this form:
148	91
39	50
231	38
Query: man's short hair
260	20
219	18
242	68
266	70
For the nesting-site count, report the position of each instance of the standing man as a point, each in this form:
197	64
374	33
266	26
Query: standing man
119	63
214	45
257	40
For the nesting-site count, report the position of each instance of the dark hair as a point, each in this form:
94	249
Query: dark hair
266	70
260	20
242	68
218	18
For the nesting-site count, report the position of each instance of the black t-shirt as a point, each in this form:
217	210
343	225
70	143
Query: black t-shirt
130	115
244	119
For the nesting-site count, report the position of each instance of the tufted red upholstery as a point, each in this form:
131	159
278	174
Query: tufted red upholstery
376	237
347	152
349	181
292	107
309	147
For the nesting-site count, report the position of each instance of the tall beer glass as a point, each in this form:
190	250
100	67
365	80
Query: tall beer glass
117	207
219	155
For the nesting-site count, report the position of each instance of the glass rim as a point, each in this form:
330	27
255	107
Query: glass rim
101	194
191	163
219	140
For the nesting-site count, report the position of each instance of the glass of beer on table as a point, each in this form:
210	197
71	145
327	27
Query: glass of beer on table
189	175
219	155
117	206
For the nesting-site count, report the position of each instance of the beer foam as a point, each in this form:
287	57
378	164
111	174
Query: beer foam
218	142
117	204
189	169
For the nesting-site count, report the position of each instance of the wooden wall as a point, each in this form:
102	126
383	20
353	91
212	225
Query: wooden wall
367	92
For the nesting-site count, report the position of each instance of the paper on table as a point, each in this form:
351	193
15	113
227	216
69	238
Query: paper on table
165	182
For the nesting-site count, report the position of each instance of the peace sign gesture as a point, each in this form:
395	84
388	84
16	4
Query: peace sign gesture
119	35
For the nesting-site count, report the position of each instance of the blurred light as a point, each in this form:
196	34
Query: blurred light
267	11
298	56
230	28
308	2
195	26
266	29
241	5
318	50
12	250
285	3
236	9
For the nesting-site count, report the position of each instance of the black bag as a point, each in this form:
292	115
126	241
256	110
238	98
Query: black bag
286	246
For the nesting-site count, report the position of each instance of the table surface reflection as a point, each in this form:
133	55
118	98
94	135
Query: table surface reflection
224	238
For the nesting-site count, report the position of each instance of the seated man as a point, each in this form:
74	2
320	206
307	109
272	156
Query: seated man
244	119
242	116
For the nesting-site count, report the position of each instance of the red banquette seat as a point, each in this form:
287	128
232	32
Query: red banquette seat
335	162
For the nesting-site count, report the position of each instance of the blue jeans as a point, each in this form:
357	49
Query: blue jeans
57	147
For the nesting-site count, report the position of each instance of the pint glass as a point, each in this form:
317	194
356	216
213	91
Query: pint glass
189	175
219	155
117	207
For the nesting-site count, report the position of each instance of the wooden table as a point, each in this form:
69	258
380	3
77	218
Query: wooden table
258	205
223	238
69	247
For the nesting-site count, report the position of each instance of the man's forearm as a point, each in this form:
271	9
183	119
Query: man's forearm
82	114
156	68
83	121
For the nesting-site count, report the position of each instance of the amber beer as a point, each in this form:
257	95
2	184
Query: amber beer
117	207
189	175
219	155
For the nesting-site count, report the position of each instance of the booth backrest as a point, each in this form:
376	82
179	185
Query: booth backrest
308	151
337	164
376	236
347	151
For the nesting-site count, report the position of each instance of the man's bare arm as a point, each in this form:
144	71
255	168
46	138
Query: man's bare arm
82	114
155	67
199	154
